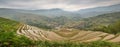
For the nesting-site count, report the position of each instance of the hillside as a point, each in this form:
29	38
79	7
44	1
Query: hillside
90	12
8	25
36	19
54	18
28	18
13	33
8	36
73	35
45	22
62	21
97	21
55	12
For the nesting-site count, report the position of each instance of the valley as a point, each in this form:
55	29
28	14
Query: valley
92	27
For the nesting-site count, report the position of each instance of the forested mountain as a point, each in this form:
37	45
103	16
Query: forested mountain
36	19
90	12
97	21
48	22
52	13
28	18
56	12
51	18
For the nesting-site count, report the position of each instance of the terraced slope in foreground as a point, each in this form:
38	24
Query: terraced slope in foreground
35	33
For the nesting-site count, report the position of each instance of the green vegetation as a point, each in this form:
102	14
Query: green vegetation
109	23
73	44
8	36
40	21
97	21
7	25
10	39
112	28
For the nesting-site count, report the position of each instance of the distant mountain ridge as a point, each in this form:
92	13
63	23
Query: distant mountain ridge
98	21
54	17
56	12
99	10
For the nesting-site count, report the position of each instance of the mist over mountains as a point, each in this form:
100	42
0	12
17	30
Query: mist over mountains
55	17
99	10
56	12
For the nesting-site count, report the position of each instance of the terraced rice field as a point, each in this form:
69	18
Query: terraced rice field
35	33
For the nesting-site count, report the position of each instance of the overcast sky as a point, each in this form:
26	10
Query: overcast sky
70	5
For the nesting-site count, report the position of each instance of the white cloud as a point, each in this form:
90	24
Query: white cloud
70	5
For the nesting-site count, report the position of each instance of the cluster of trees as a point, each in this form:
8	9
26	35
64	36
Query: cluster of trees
112	28
98	22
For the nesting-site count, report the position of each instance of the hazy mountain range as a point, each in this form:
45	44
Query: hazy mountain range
56	17
56	12
99	10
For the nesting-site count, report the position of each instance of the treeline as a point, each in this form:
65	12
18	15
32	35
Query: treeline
69	44
41	25
100	21
112	28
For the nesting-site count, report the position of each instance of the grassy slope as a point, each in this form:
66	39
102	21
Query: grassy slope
8	25
8	37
